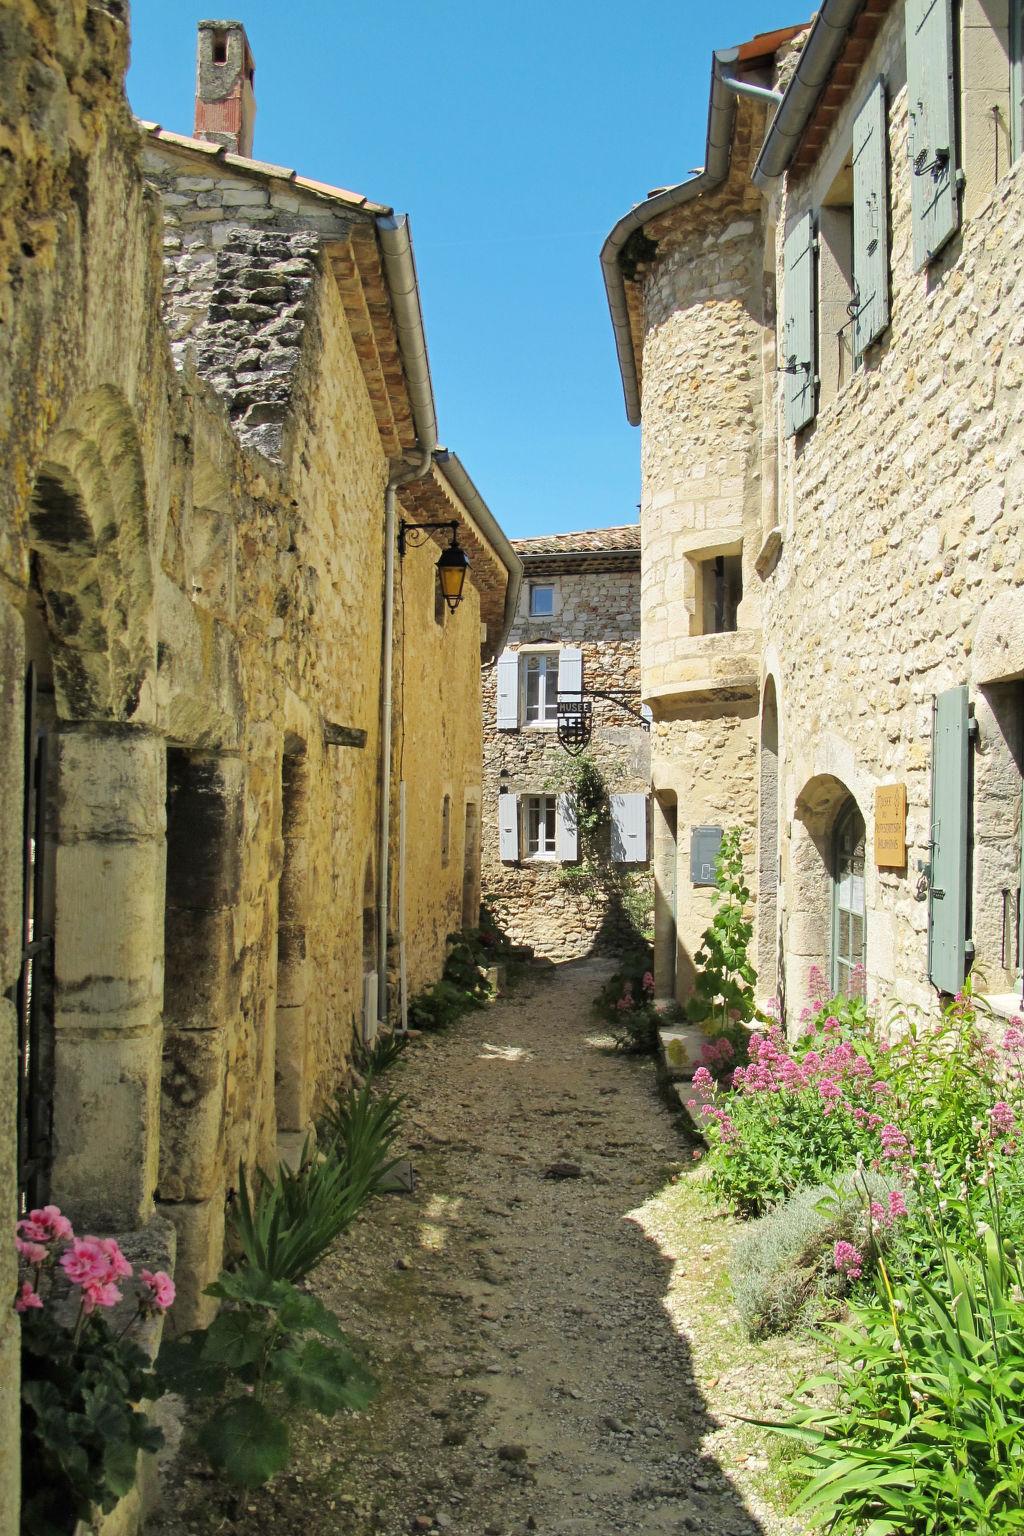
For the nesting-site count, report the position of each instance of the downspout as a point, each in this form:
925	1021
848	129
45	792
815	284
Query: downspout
400	270
818	58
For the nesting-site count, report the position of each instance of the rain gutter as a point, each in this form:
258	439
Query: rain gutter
403	286
818	58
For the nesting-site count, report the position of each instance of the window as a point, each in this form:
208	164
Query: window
849	948
541	688
446	830
541	826
542	600
720	579
1017	78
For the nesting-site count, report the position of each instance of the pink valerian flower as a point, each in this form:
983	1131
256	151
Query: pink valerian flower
895	1145
27	1298
773	1007
1013	1040
161	1287
880	1214
897	1203
817	986
648	983
880	1089
848	1260
726	1128
703	1081
32	1253
829	1089
1002	1120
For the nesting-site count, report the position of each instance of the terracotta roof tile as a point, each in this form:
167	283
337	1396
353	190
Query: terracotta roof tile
596	541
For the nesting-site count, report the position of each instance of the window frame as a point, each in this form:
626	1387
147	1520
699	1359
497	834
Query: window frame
541	586
847	817
543	807
546	718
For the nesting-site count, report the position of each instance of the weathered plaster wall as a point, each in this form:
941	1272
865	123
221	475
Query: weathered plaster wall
902	514
598	611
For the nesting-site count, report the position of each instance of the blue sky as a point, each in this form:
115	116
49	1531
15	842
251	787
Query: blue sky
514	136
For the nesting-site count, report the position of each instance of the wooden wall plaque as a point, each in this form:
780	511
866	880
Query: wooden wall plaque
891	826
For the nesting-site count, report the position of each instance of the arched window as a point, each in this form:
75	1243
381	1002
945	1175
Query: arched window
849	930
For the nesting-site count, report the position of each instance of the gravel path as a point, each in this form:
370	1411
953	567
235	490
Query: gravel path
533	1310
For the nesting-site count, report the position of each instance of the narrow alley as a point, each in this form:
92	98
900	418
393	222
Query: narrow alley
532	1311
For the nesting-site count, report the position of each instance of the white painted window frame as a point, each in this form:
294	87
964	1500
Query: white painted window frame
542	586
546	810
543	658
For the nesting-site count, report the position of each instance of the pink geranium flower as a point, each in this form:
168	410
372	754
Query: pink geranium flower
32	1253
161	1287
95	1261
27	1299
99	1294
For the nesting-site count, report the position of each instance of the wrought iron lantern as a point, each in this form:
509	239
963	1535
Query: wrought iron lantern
453	563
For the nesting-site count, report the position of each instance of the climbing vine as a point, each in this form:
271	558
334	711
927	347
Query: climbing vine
724	988
627	895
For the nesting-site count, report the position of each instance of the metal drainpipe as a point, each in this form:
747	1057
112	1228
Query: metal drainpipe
403	476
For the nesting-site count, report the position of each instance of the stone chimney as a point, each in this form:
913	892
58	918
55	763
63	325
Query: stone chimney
225	72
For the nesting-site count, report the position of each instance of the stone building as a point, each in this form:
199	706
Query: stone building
224	693
821	334
575	635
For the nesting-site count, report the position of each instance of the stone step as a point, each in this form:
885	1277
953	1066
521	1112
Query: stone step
681	1046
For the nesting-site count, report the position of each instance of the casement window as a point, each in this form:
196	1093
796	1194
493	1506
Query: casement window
537	827
529	682
721	589
1016	78
540	688
542	599
849	917
798	361
540	829
931	96
948	947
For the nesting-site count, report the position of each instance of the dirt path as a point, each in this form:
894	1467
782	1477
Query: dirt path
528	1321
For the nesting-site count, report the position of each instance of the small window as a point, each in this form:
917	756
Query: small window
220	47
849	939
541	688
721	589
541	827
446	830
542	600
1017	78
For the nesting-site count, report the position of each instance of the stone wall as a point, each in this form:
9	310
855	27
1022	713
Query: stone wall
900	514
704	301
191	557
597	610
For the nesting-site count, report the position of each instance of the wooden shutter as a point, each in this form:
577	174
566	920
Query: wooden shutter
508	827
566	842
570	669
799	383
935	201
629	828
508	691
947	894
871	219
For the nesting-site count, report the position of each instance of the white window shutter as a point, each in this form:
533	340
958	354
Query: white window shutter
566	839
570	670
508	827
508	691
629	828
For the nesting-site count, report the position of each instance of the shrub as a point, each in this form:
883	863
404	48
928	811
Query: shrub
783	1265
462	987
920	1432
626	1002
272	1349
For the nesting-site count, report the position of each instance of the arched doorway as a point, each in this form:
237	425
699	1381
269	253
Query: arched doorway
849	918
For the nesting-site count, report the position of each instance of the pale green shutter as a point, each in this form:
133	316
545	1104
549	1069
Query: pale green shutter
799	392
947	894
871	219
935	202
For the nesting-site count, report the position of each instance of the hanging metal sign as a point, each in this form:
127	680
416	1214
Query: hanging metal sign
575	724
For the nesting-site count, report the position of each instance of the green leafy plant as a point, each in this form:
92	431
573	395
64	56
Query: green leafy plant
286	1224
626	894
376	1059
626	1002
917	1430
725	977
462	987
272	1349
